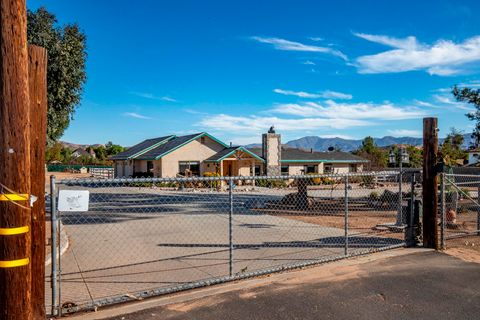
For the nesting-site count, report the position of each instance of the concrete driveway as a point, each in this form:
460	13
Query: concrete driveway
399	284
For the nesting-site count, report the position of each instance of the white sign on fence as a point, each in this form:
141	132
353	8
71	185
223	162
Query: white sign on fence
73	200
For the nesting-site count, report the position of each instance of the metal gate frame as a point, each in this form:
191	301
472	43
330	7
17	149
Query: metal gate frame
58	310
449	179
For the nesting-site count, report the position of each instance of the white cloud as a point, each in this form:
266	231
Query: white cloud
191	111
241	141
299	94
408	43
316	39
443	58
166	98
444	99
286	45
470	84
151	96
308	62
331	110
405	133
249	124
450	102
423	103
327	94
136	115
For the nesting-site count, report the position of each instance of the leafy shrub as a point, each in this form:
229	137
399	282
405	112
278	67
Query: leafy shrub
368	180
212	184
153	184
374	196
268	183
315	181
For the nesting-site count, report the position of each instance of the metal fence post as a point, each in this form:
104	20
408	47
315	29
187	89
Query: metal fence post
412	198
400	198
478	210
443	209
230	227
411	225
346	215
54	243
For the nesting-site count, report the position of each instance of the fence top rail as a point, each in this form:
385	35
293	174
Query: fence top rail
453	175
200	179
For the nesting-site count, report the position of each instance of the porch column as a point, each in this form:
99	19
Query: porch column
253	171
222	182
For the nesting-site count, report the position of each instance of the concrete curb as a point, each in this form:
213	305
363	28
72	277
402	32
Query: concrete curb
64	244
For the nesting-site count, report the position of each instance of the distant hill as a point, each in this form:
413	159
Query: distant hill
75	146
322	144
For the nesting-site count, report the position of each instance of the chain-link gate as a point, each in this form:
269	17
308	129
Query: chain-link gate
459	207
147	237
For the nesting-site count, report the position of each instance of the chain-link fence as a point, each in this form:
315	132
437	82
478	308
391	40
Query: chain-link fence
146	237
460	207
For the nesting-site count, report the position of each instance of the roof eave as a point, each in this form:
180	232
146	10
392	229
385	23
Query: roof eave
193	139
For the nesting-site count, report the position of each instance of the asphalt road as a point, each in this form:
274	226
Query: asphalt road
422	285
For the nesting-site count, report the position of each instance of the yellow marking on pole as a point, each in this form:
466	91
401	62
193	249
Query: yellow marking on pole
14	263
14	197
13	231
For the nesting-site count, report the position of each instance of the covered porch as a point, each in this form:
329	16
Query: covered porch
237	161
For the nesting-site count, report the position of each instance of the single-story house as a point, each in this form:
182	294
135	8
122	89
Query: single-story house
473	156
77	153
201	153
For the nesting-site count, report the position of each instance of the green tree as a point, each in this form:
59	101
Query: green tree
376	156
451	149
100	152
471	96
415	156
113	149
54	153
66	46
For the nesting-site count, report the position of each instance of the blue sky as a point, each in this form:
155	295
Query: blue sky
234	68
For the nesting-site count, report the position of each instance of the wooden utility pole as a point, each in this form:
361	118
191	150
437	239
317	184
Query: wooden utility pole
430	183
15	241
37	74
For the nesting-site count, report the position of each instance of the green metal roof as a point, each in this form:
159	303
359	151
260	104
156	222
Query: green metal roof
227	152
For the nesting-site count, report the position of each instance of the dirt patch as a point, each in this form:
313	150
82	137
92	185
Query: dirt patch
62	176
466	248
364	222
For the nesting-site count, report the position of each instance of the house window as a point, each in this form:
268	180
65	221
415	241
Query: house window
189	168
352	168
149	166
257	171
202	140
328	168
311	169
284	170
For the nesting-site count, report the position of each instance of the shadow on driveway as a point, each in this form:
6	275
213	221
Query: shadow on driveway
421	285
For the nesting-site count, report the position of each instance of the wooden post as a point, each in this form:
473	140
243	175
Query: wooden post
15	241
37	74
430	183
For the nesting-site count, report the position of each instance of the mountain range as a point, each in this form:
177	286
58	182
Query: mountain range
322	144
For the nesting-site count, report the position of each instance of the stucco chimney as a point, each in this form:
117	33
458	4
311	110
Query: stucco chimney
272	152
